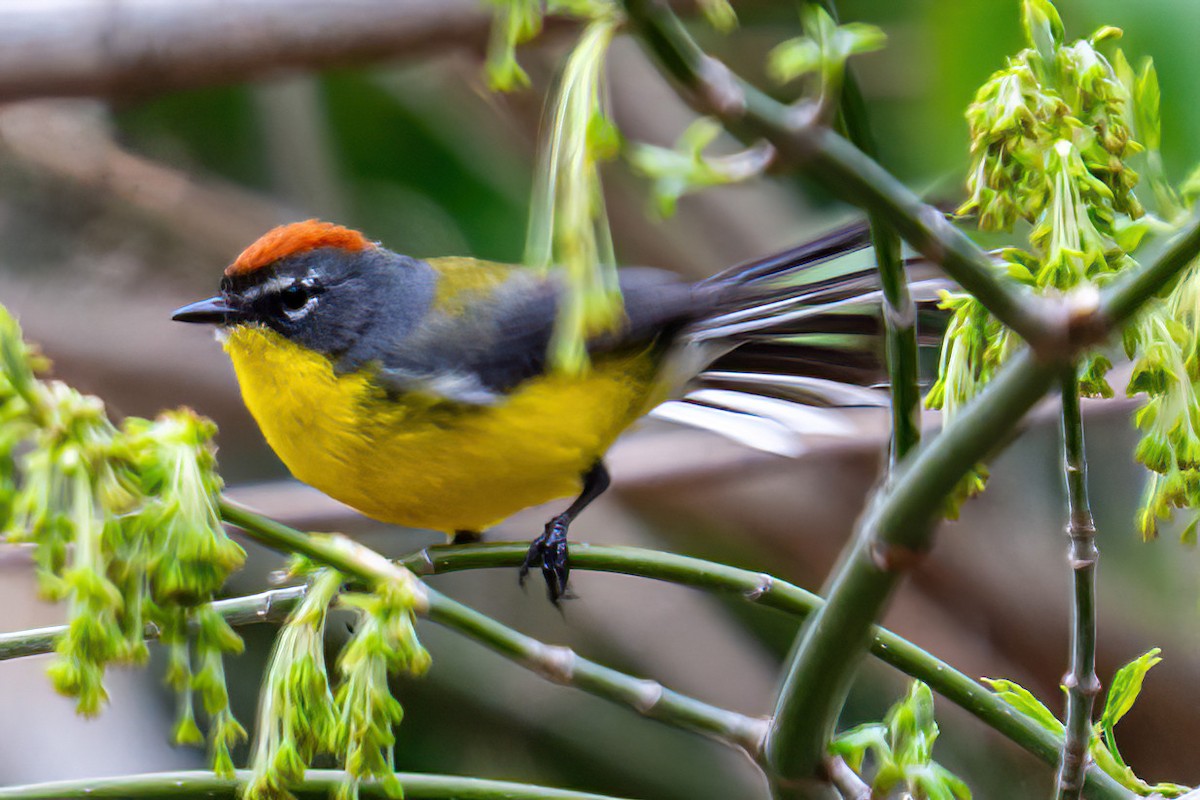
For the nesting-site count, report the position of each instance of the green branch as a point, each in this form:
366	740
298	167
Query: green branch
899	311
323	782
755	587
558	664
272	606
891	538
798	137
899	526
564	666
765	590
1082	682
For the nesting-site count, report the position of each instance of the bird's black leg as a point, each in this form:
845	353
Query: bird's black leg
549	551
467	537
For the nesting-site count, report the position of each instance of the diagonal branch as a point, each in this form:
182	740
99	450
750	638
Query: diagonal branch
558	664
135	47
799	137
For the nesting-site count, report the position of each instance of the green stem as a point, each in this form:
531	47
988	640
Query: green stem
899	311
332	549
891	538
754	587
798	137
770	592
1082	683
559	664
563	666
322	782
272	606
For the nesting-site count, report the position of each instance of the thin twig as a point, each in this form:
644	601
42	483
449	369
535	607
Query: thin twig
317	782
1081	681
899	311
846	780
563	666
271	606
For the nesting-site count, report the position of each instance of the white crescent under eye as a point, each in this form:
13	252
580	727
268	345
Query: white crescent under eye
302	311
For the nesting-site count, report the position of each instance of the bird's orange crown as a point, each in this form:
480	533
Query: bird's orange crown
293	238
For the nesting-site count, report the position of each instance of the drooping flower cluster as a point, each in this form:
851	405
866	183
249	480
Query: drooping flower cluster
301	714
1053	135
125	530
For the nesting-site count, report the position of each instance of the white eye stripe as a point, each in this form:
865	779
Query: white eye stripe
278	284
272	286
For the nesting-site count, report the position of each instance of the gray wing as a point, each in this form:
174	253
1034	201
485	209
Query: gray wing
499	340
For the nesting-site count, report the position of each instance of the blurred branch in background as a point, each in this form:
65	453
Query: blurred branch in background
73	141
138	47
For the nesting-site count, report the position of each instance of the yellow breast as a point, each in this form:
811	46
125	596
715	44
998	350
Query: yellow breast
421	461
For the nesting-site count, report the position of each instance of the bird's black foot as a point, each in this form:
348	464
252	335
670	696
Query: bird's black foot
467	537
549	552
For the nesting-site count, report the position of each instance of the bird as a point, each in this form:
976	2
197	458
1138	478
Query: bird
421	392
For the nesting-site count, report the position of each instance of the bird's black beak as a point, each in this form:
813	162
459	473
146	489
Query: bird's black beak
214	311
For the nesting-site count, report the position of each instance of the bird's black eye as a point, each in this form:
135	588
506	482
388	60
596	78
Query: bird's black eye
293	297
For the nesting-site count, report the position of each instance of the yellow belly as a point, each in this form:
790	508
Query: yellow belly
420	461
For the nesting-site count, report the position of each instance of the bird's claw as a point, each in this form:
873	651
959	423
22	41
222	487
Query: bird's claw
549	552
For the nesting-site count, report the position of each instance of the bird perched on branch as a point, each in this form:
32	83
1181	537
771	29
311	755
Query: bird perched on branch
420	392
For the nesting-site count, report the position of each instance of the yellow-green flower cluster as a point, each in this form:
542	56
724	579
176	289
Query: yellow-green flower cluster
125	529
1055	111
384	643
301	715
1052	137
297	718
568	222
1167	370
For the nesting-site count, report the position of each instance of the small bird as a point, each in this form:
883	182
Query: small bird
420	391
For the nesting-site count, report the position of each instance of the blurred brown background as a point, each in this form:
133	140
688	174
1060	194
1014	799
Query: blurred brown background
118	207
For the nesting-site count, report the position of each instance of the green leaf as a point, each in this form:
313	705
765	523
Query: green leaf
720	14
1126	685
1043	28
1146	97
1021	699
792	59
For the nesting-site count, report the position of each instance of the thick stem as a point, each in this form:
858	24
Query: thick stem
890	540
317	783
1081	681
